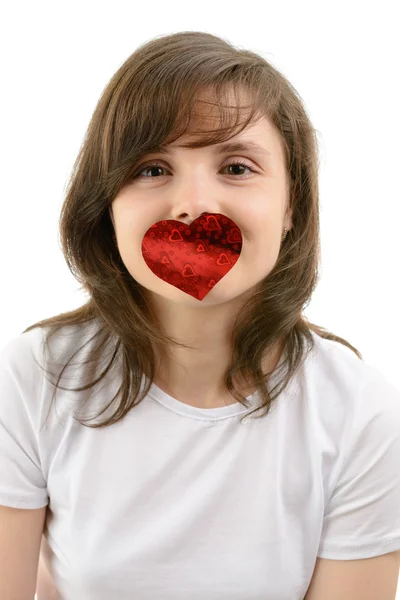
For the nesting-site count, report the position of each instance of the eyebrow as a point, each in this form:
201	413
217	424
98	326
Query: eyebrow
218	148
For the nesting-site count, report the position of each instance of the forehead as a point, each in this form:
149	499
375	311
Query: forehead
206	117
259	138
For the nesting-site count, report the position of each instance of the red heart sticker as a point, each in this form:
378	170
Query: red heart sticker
193	257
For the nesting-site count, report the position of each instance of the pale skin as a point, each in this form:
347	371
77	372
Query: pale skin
193	181
187	183
45	586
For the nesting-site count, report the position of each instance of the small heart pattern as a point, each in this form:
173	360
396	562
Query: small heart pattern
193	257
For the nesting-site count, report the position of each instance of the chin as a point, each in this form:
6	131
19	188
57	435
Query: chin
222	293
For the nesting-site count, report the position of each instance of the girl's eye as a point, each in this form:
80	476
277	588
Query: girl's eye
154	165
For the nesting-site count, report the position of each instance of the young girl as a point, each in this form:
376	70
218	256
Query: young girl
192	223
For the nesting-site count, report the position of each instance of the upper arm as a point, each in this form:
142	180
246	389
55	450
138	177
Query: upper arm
366	579
20	537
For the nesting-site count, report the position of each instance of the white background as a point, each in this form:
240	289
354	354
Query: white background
342	57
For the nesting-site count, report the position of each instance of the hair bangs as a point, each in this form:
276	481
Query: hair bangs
209	114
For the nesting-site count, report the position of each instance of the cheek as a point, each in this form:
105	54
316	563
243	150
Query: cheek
132	225
259	228
261	211
261	244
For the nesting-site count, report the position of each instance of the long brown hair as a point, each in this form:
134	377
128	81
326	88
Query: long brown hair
149	100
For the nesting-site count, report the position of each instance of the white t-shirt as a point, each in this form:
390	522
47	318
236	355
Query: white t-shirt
176	502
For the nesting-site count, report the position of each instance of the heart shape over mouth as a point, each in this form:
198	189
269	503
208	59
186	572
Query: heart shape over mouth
193	257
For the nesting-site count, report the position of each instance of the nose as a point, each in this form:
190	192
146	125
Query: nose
193	199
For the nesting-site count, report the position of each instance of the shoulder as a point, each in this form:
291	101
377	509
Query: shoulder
337	370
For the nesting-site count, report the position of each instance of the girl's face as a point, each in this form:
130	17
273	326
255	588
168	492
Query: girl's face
188	182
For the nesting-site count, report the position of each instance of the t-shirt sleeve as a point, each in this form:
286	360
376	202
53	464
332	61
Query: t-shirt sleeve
362	517
22	483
